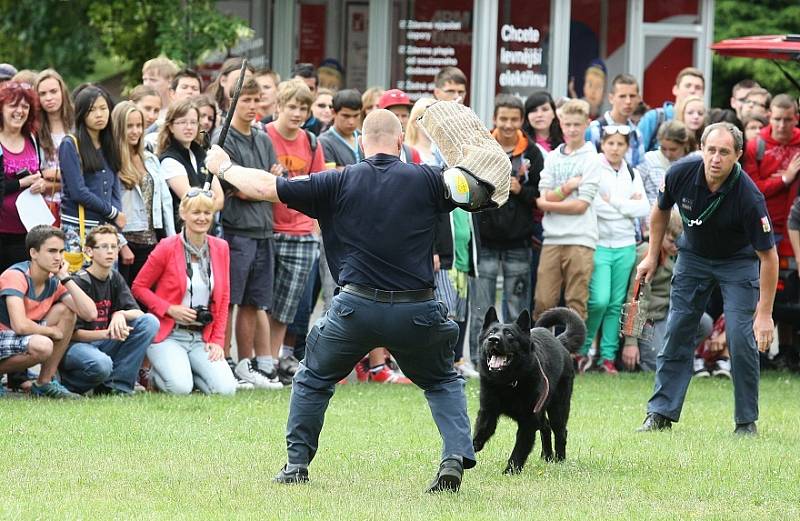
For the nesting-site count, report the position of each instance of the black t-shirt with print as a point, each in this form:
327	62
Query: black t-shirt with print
110	295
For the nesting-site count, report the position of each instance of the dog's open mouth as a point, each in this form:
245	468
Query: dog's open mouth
497	361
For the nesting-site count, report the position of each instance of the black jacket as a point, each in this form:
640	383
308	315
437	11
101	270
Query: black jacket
511	225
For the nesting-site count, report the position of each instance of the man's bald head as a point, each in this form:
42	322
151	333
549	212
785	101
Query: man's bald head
381	133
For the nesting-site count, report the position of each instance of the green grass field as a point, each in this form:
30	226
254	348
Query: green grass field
161	457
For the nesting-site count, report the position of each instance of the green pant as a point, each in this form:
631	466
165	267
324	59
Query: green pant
607	290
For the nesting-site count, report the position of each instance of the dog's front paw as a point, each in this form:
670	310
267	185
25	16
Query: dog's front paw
512	469
478	444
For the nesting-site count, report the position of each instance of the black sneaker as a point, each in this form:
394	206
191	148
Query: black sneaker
655	422
746	429
295	477
448	479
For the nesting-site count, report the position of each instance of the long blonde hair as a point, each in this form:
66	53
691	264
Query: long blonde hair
129	176
412	131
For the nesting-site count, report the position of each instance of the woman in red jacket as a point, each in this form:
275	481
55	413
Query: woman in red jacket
185	283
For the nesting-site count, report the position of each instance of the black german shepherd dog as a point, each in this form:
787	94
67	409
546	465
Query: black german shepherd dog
527	375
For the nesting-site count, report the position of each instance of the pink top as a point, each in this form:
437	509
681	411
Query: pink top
13	163
544	143
295	156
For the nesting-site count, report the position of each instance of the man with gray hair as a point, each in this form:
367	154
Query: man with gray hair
377	219
727	241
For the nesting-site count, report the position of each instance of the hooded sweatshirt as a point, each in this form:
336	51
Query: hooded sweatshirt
511	225
778	195
615	217
566	229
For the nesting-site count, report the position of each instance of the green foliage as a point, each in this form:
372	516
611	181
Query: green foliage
48	33
736	18
195	457
181	30
69	35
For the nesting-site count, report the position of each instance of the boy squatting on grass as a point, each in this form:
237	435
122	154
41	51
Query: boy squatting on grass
106	353
38	307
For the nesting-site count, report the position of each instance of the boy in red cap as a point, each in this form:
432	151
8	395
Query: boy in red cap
398	103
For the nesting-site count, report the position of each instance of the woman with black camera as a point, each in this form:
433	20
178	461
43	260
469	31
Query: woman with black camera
20	164
185	283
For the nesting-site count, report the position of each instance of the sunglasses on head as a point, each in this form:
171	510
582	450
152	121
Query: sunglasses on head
622	130
194	192
16	84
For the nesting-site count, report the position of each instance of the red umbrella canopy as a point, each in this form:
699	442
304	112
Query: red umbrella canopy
776	47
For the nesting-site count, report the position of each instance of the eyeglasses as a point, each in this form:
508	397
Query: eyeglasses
105	247
754	103
622	130
194	192
186	122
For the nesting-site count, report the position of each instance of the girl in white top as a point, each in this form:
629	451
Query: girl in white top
620	200
675	141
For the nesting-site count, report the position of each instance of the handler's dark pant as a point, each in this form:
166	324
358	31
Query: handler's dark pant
420	337
693	280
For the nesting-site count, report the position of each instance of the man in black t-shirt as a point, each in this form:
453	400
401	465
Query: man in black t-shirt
377	219
105	355
727	241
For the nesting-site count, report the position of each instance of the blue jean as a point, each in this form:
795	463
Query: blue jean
516	266
421	339
693	280
648	349
181	361
112	363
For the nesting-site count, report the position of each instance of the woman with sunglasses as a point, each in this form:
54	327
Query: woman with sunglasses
89	168
56	119
182	155
322	108
620	200
185	283
146	198
21	163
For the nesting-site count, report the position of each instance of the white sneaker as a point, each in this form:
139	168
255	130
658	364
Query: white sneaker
722	368
466	370
700	370
249	372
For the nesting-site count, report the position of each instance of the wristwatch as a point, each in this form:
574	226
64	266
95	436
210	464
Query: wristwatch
224	167
65	280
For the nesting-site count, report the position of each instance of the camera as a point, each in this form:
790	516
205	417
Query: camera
204	316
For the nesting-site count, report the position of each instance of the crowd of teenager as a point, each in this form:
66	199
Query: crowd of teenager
151	272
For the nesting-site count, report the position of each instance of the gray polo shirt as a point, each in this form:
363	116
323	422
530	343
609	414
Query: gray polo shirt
241	217
337	150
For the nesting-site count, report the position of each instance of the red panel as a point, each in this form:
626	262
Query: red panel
659	78
312	33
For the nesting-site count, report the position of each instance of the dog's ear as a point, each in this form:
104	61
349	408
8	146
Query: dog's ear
490	318
524	321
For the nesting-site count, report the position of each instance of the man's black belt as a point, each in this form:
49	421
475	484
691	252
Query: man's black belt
380	295
197	328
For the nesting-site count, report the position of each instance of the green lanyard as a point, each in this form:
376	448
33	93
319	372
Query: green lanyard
708	212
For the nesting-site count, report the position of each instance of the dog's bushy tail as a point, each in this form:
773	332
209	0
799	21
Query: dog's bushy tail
575	334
